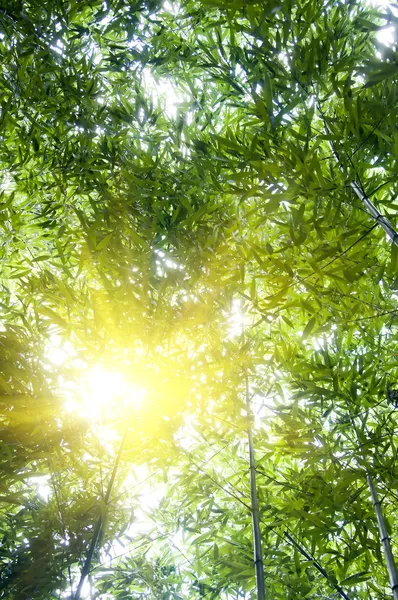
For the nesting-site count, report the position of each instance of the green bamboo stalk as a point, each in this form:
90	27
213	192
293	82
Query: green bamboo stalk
100	523
372	210
258	552
385	538
368	205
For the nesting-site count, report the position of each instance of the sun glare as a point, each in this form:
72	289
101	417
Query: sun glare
103	393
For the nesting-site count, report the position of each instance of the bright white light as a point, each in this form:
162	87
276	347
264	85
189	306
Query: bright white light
7	182
57	351
379	3
164	93
383	4
310	101
42	485
235	319
57	49
186	435
107	19
104	387
284	58
101	391
386	36
171	8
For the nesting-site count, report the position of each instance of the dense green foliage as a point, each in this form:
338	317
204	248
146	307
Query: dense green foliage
176	209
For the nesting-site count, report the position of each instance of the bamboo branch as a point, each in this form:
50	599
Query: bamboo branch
316	565
258	552
213	480
385	538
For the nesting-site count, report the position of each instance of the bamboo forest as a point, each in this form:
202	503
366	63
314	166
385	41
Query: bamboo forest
198	299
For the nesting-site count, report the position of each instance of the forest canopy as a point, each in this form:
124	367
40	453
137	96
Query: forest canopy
199	284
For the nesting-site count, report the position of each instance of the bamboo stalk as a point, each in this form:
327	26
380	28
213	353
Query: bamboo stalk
258	552
385	538
100	523
369	206
372	210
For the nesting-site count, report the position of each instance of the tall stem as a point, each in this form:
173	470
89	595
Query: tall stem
99	525
385	539
369	206
258	552
372	210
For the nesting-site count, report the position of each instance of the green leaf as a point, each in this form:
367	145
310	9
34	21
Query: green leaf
308	328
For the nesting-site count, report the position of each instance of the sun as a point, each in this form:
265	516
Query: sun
103	394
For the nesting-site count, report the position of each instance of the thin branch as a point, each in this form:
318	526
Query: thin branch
367	137
316	564
232	494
